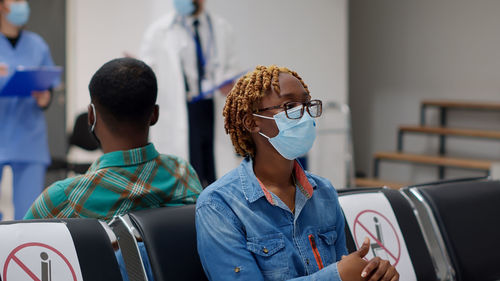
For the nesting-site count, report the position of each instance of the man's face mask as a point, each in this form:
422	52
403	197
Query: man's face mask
295	137
19	13
185	7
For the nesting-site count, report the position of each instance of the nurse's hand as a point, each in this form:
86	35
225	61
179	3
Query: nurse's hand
4	69
42	98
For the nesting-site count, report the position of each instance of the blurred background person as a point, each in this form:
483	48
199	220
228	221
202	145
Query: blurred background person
191	52
23	137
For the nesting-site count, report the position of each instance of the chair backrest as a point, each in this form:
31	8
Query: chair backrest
465	220
169	234
388	219
67	249
130	240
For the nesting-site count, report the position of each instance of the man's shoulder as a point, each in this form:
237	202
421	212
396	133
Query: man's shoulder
63	185
173	161
216	19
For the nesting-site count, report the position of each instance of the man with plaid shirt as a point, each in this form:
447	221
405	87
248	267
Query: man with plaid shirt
131	175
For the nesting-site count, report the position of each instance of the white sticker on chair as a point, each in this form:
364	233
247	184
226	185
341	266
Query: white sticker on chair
371	215
38	252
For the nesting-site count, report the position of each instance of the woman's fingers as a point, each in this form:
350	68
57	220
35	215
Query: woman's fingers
382	268
370	267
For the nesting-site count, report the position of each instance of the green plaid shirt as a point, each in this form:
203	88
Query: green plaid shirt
119	182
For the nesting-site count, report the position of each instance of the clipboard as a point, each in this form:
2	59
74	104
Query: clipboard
28	79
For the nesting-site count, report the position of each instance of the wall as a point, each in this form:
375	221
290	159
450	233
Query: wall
309	37
99	31
402	52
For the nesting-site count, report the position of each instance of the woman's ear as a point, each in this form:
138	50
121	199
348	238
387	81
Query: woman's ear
250	124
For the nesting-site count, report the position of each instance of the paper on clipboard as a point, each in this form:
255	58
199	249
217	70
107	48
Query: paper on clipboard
28	79
208	88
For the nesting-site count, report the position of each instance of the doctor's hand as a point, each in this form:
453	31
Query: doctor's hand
4	69
42	98
224	90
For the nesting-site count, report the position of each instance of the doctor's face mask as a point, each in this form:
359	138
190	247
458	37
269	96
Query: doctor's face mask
185	7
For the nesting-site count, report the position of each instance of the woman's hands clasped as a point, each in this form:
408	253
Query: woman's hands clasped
354	267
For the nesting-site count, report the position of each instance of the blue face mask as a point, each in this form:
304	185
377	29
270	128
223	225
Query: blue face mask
184	7
295	137
19	13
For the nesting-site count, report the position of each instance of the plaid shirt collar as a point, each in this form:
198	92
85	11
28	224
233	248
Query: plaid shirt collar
122	158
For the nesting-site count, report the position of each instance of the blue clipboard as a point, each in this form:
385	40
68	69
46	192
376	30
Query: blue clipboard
25	80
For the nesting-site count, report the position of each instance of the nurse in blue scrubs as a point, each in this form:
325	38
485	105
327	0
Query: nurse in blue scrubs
23	131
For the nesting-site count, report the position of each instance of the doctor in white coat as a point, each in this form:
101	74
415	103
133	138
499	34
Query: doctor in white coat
188	73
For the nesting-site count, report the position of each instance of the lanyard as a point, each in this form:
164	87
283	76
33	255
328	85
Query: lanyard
211	44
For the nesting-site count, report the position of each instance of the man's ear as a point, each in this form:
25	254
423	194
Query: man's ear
90	115
250	124
155	116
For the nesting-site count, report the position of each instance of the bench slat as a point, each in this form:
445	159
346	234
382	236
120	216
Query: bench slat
462	104
451	131
373	182
436	160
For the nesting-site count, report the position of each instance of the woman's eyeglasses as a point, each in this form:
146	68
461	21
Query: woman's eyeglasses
295	110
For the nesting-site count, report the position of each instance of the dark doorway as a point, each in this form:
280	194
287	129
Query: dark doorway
48	19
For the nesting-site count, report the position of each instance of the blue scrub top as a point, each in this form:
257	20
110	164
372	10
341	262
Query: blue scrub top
23	130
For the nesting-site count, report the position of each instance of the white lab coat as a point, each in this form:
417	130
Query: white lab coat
163	42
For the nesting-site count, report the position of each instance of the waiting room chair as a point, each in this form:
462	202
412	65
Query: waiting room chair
370	212
169	237
97	250
463	216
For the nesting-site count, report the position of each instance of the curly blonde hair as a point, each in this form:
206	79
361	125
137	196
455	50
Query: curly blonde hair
244	99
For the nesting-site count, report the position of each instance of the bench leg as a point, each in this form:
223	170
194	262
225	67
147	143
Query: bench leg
442	141
376	163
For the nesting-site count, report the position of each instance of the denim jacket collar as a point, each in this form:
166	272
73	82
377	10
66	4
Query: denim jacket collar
250	184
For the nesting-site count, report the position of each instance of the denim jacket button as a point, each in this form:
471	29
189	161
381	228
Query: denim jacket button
237	269
265	250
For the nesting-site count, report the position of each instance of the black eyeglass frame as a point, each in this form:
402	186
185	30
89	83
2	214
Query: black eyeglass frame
292	104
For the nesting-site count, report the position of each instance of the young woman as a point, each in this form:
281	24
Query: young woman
23	132
269	219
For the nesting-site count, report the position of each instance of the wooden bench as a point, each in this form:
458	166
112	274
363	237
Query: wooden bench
444	105
462	104
464	163
373	182
443	131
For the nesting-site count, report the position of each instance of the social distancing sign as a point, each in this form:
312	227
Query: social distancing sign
371	215
38	252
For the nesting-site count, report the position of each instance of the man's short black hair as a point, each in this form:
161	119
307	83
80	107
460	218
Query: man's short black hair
124	90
